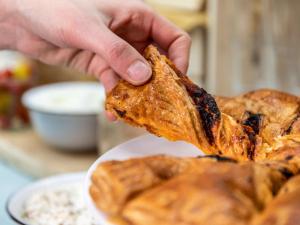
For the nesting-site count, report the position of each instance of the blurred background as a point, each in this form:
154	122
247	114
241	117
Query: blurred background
238	46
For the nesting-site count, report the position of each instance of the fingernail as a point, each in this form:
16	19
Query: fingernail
110	116
139	71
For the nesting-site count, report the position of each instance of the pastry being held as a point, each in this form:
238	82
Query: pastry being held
172	106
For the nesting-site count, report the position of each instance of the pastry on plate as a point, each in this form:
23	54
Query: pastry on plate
165	190
247	127
284	208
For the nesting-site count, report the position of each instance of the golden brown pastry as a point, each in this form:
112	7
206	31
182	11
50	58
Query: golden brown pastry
163	105
170	105
115	182
167	190
191	199
285	208
248	127
261	125
278	112
277	109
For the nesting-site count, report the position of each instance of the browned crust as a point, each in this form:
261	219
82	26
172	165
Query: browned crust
291	126
205	103
271	94
258	183
252	127
196	117
163	109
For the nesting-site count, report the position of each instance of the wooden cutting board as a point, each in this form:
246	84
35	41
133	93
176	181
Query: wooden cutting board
27	152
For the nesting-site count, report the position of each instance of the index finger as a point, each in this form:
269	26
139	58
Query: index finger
173	40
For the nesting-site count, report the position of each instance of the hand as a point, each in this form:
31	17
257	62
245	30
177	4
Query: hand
99	37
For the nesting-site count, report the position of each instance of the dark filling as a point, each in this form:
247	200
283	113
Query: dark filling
253	121
289	157
289	129
208	110
205	104
252	127
120	113
286	173
219	158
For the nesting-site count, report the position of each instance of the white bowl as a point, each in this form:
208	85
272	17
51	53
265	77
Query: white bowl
15	204
145	145
65	114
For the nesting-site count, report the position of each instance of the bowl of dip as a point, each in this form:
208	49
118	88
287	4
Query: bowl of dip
53	200
65	114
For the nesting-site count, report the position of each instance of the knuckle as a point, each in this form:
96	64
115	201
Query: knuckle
137	16
67	33
138	10
187	37
132	14
29	48
117	50
64	34
98	68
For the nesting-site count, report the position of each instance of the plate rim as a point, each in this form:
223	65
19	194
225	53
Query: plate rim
103	219
89	202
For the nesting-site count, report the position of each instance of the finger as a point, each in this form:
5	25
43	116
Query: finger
106	76
83	61
124	59
98	67
110	116
95	65
109	79
119	55
177	43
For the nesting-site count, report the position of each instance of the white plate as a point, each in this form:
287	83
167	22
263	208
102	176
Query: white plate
139	147
15	204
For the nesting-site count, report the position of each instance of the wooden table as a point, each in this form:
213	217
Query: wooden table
27	152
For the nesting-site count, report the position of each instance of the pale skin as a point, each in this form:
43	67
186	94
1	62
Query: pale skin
104	38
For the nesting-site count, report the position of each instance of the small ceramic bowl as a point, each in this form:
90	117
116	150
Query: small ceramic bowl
15	204
65	114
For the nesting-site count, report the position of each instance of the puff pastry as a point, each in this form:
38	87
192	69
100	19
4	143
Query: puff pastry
248	127
166	190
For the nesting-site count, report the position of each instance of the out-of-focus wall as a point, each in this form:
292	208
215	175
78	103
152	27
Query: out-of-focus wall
193	5
253	44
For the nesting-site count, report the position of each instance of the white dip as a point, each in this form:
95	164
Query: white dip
69	98
58	206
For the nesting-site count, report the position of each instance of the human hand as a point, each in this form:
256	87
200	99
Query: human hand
99	37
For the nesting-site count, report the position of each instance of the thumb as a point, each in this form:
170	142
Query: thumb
124	59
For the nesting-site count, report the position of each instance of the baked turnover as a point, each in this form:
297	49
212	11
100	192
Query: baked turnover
215	190
247	127
251	177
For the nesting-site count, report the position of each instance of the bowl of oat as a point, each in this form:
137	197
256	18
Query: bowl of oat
55	200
